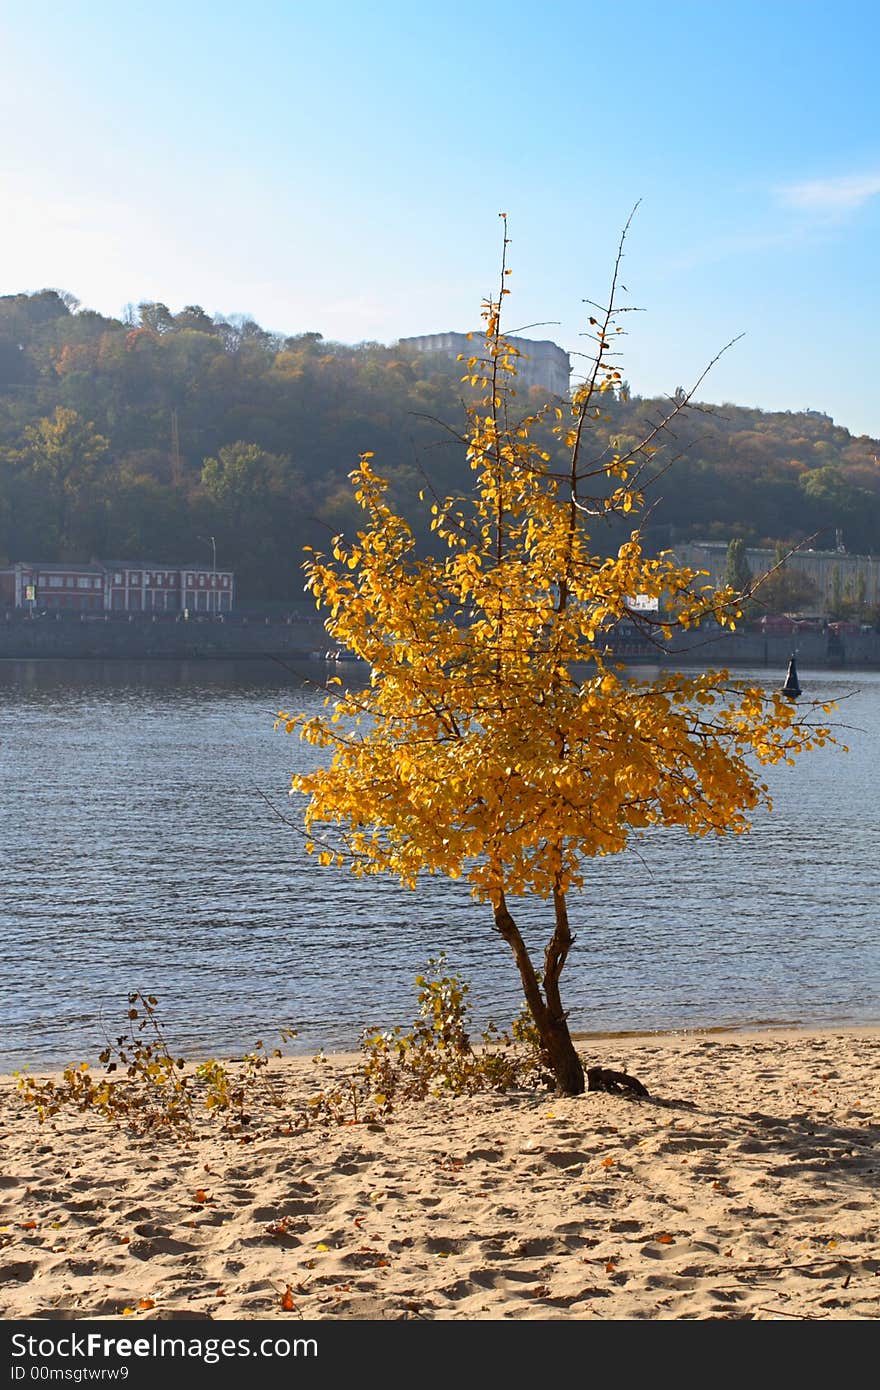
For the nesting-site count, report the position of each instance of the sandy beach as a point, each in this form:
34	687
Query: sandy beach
745	1187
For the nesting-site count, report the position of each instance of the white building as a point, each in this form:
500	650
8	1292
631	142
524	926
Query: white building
540	363
829	570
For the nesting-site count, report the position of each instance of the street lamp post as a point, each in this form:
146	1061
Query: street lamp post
209	540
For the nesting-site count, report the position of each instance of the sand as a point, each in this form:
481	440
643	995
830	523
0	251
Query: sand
746	1187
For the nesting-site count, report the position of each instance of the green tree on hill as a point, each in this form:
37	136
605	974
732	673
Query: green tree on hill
737	573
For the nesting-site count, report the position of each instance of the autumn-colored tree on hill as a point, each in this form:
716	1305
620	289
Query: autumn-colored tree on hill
498	741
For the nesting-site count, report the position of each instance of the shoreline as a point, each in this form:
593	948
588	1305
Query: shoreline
668	1037
744	1187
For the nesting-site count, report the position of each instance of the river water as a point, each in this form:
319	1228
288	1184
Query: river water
138	851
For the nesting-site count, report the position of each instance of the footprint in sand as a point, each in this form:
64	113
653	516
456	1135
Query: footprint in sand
565	1158
146	1249
288	1207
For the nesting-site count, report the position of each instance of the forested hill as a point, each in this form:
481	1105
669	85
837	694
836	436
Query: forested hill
146	438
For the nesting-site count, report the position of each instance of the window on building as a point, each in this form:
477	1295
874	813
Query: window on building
84	582
117	579
56	581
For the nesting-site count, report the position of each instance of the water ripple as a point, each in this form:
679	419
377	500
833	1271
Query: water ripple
137	853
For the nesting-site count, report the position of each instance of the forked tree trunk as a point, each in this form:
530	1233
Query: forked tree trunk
546	1009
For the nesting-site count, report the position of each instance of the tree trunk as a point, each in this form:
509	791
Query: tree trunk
549	1016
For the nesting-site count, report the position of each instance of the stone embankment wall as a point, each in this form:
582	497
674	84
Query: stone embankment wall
142	637
302	635
817	649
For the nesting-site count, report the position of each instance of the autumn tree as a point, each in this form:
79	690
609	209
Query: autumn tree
497	741
784	589
66	454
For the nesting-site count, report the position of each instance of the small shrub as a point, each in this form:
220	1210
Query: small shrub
143	1085
435	1056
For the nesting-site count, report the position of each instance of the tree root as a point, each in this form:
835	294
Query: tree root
618	1082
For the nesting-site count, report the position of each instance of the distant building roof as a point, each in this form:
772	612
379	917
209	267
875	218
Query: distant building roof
62	566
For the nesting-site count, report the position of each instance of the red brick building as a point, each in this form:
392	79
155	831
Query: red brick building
63	587
119	586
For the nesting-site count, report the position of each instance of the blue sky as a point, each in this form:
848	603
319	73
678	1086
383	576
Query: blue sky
341	167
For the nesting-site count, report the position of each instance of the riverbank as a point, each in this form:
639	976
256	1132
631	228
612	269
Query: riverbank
745	1187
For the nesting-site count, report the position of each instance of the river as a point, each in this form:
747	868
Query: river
138	852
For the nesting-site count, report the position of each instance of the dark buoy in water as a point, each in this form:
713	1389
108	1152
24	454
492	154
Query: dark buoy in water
792	689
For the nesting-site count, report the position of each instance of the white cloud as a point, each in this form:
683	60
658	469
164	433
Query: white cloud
843	194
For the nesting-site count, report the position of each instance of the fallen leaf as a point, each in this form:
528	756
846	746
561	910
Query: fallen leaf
610	1267
146	1303
322	1246
287	1302
665	1239
607	1162
28	1225
281	1227
127	1312
202	1196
